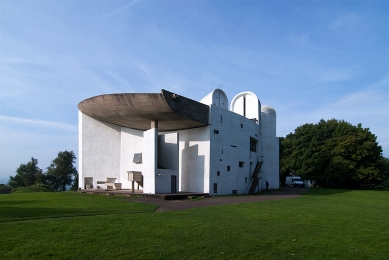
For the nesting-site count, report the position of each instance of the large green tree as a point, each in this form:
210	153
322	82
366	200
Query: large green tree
61	171
333	153
26	175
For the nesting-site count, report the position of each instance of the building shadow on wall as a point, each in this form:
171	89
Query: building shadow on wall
192	169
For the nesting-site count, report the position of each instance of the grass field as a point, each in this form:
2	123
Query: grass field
323	224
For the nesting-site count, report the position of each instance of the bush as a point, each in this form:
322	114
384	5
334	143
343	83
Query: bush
4	187
385	185
33	188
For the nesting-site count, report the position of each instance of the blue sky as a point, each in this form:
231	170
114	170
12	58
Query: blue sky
310	60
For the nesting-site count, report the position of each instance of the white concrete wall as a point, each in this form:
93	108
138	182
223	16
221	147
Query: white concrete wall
194	160
131	143
230	144
168	151
99	150
216	98
163	181
149	160
270	149
247	104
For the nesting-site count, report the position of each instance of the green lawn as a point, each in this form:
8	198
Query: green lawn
323	224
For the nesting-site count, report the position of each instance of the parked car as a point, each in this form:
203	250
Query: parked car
294	181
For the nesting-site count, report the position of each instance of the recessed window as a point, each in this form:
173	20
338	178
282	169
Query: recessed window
222	151
216	131
241	125
245	180
218	173
137	158
228	168
234	192
215	188
241	164
253	145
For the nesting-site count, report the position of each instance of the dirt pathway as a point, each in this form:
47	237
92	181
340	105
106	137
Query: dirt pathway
169	205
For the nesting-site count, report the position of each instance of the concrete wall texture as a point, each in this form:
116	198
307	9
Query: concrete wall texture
218	159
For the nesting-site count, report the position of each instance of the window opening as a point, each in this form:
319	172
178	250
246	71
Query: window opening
215	188
137	158
218	173
253	145
228	168
216	131
241	164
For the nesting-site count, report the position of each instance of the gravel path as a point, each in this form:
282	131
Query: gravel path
169	205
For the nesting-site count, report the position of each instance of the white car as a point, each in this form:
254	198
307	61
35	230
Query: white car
294	181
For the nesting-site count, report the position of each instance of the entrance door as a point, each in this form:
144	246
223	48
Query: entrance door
173	184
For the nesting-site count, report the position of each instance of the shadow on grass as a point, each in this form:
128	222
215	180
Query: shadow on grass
9	213
324	191
16	202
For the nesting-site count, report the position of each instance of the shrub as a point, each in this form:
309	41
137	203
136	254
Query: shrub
39	187
385	185
4	187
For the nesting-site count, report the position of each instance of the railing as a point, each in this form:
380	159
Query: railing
254	178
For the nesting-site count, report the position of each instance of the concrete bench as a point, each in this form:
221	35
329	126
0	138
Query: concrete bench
116	186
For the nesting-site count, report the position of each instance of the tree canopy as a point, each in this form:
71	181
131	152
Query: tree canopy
333	153
59	175
27	174
61	171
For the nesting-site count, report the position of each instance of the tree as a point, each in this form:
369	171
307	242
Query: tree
27	174
385	173
333	153
61	171
75	182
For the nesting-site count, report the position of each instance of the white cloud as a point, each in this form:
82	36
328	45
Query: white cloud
335	75
117	11
345	23
38	123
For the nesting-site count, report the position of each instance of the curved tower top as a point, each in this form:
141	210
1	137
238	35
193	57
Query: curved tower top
217	98
247	104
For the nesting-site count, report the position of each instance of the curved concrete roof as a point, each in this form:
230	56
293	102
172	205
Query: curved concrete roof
137	111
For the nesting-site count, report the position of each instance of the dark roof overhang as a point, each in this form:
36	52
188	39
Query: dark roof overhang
138	110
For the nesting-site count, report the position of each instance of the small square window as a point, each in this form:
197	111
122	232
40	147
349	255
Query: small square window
241	164
228	168
216	131
137	158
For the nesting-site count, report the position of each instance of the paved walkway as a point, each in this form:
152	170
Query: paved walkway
169	205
